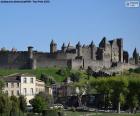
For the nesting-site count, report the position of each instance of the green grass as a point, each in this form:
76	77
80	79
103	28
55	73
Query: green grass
48	71
37	72
70	113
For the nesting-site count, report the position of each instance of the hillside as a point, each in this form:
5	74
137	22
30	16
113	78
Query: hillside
60	74
47	71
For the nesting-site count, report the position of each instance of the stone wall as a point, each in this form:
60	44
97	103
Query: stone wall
86	51
77	57
13	59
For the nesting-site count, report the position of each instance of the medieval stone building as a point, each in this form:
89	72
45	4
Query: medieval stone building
107	54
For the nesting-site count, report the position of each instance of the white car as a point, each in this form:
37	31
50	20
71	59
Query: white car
57	106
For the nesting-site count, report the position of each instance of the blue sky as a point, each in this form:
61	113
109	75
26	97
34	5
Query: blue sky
22	25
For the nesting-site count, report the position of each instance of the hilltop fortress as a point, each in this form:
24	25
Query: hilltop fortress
108	54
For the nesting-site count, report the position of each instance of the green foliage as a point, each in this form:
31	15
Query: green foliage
5	104
1	85
47	79
14	106
22	103
120	89
137	70
64	72
89	72
39	103
50	112
51	72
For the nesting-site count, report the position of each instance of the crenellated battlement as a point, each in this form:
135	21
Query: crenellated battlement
106	54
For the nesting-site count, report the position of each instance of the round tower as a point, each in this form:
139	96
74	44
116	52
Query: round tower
64	48
30	51
79	49
136	56
32	61
93	51
53	47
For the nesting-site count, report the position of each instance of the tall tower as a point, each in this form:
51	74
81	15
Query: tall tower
30	52
93	51
120	46
64	48
32	61
79	49
136	56
53	47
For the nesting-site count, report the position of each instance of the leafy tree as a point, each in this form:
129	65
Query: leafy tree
75	77
1	85
64	72
5	104
47	79
14	106
119	86
89	71
102	85
80	90
133	95
39	103
115	88
22	103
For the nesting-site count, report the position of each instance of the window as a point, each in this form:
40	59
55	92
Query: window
12	93
17	92
24	80
24	91
12	85
31	80
31	91
17	84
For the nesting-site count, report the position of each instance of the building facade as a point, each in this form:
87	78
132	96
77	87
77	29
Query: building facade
23	84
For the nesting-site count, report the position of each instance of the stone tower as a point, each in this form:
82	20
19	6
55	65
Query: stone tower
79	49
93	51
103	43
64	48
30	52
106	47
136	56
120	46
53	47
32	61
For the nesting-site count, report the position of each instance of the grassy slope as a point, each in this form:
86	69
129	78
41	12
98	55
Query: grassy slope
70	113
53	72
37	72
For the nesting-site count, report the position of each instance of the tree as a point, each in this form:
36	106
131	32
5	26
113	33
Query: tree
5	104
103	86
22	103
75	77
39	103
133	95
64	72
89	71
1	85
119	86
47	79
80	90
14	106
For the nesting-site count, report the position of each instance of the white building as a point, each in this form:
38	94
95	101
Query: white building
23	84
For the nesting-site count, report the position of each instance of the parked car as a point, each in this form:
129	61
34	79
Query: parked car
57	106
29	108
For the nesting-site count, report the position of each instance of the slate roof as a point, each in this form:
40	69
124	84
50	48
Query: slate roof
15	77
12	78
